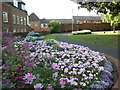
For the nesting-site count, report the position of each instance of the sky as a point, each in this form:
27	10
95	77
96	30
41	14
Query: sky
55	9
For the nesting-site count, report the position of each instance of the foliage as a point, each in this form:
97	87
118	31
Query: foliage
110	10
33	36
55	26
41	65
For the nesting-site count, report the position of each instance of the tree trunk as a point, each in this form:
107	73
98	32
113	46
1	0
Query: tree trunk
113	28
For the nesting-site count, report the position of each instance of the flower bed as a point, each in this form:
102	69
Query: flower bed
52	65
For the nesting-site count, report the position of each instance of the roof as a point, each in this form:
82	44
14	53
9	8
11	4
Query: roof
87	17
44	20
33	17
64	21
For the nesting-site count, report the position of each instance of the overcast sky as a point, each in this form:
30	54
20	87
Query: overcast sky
55	9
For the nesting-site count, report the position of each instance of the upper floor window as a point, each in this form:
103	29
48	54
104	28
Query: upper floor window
24	21
94	21
5	17
5	30
18	20
15	3
23	6
44	25
21	20
84	21
35	25
14	19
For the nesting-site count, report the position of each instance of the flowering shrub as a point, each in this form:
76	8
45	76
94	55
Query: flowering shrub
33	36
40	65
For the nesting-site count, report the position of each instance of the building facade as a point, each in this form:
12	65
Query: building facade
37	24
14	17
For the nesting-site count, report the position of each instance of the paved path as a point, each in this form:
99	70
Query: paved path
108	51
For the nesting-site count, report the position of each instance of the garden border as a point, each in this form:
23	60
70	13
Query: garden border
116	62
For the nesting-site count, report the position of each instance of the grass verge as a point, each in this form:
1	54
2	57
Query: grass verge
51	36
107	39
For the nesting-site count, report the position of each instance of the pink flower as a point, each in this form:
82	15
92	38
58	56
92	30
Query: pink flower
38	86
21	73
19	66
49	57
29	78
29	71
23	86
55	66
63	81
17	70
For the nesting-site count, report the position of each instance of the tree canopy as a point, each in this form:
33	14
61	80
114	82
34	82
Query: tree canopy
110	11
55	26
101	6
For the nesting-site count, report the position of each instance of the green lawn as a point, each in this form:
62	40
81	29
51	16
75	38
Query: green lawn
107	39
51	36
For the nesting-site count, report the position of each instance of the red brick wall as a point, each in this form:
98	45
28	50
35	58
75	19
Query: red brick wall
92	26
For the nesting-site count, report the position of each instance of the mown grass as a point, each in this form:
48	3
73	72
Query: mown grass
52	36
107	39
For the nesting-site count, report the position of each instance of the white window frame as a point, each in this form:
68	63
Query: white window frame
4	30
14	19
23	6
5	17
18	20
21	20
25	30
42	25
84	21
14	30
15	3
24	21
46	25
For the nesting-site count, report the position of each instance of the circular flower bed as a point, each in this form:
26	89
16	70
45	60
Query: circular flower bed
52	65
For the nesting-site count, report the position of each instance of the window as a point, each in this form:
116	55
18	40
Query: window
5	30
78	22
23	6
24	21
18	20
21	20
35	25
5	17
42	25
18	30
14	30
46	25
84	21
21	30
25	30
14	19
15	3
94	21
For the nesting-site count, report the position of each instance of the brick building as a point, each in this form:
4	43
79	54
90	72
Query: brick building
93	23
37	24
14	17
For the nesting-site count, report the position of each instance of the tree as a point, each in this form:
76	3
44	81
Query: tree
109	10
55	26
114	20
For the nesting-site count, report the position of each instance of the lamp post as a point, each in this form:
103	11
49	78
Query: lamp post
72	19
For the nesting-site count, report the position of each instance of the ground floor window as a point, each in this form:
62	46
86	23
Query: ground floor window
5	30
